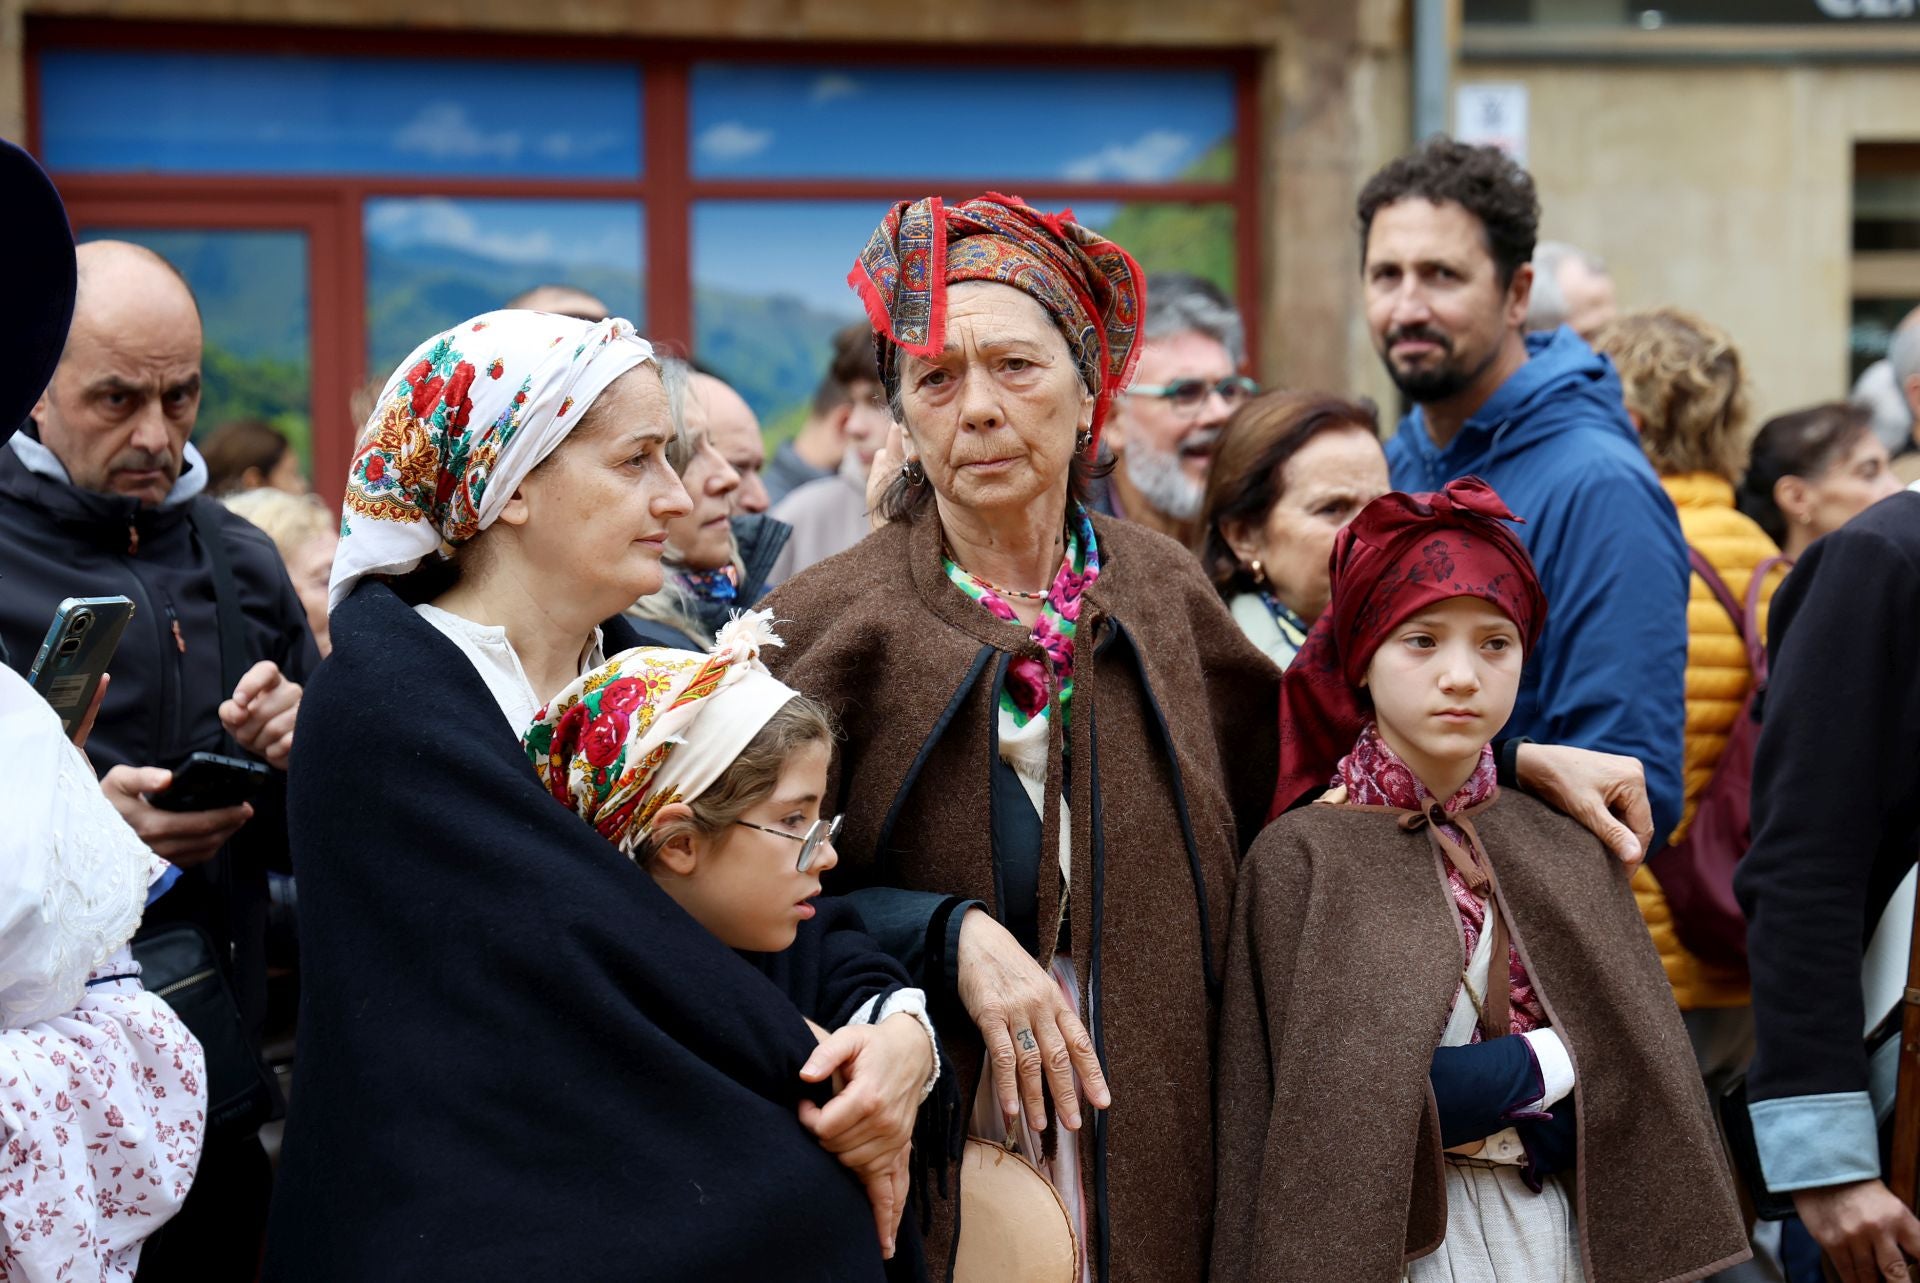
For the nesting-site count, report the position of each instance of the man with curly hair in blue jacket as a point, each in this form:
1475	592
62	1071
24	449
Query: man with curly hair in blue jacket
1446	233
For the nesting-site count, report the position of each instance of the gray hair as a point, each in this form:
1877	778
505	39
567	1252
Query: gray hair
675	375
1903	353
1547	306
1878	390
1179	304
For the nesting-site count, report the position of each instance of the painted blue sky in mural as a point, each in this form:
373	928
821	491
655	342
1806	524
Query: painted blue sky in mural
1122	125
818	241
116	111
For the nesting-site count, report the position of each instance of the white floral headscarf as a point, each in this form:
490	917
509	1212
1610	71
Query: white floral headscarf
621	741
460	424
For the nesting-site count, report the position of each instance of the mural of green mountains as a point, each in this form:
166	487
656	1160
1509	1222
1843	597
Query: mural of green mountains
252	288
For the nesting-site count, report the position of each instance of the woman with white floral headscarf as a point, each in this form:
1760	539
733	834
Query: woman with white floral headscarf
519	1058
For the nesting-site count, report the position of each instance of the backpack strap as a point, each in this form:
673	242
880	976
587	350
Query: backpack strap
226	597
1756	636
1718	586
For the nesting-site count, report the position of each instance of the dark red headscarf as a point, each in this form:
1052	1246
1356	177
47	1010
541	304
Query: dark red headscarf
1091	287
1402	554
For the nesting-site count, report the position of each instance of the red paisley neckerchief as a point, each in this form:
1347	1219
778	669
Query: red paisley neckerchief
1374	775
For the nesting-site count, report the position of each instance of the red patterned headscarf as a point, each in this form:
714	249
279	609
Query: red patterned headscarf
1402	554
1091	287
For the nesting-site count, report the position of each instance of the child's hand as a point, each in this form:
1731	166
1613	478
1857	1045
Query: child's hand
869	1125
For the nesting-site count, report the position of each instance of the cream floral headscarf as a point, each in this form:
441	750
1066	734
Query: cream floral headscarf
652	726
460	424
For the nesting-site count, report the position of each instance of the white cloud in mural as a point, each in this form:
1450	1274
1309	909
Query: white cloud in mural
435	221
831	86
444	130
731	140
1153	155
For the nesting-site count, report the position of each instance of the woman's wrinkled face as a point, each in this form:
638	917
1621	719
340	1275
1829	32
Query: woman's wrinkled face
1322	487
994	418
743	884
703	538
592	519
1443	683
1860	478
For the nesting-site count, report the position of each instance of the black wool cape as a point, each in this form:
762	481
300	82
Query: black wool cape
518	1057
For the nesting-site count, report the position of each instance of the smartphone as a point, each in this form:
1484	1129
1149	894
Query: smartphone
79	648
209	781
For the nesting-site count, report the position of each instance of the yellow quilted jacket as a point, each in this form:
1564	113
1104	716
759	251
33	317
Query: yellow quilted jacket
1717	681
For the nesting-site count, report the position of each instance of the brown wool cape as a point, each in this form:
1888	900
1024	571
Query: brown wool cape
910	666
1345	956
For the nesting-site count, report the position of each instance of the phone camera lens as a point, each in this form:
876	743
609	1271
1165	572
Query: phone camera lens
82	621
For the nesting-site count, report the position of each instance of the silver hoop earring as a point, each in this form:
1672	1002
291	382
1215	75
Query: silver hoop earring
1082	442
912	473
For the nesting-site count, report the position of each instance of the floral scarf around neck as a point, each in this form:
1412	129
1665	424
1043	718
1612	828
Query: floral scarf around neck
711	585
1027	690
1374	775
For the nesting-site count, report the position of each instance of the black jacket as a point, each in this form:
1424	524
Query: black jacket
519	1058
1836	796
57	541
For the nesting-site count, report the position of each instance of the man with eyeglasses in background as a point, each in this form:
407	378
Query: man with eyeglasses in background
1164	427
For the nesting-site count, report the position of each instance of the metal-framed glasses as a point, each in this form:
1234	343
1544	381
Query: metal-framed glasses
818	834
1188	395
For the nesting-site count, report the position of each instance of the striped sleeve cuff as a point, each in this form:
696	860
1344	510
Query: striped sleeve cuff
1807	1142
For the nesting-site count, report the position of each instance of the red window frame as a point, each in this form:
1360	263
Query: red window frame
329	208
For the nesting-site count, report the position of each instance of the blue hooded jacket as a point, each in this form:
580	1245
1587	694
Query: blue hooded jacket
1610	670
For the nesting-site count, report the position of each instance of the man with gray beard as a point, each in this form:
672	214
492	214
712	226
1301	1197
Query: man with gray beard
1165	425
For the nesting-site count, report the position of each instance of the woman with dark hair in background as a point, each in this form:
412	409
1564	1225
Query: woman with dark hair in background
1290	470
246	454
1812	471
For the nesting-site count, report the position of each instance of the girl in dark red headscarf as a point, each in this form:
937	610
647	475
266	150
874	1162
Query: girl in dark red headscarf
1409	1021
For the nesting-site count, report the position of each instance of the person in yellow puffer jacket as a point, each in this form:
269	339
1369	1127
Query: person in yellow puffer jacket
1686	392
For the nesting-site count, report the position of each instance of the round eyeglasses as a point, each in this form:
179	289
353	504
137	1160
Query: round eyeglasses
818	834
1188	395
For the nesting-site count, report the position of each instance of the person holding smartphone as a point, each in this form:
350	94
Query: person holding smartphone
102	1088
100	496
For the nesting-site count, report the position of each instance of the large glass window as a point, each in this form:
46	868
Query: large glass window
256	361
433	261
336	206
1886	246
117	111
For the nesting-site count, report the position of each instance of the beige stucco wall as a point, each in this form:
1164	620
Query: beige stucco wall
1722	188
1331	91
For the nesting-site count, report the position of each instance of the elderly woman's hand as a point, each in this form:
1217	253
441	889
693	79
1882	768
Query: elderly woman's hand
1032	1036
1603	791
868	1125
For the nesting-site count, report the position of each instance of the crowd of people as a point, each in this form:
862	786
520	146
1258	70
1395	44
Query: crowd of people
1067	813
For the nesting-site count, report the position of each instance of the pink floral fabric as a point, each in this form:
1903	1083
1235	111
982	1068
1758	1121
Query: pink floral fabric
1027	691
103	1112
1374	775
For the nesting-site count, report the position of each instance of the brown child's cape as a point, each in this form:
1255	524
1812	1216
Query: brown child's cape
1344	961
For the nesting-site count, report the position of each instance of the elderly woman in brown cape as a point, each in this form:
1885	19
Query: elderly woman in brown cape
1057	741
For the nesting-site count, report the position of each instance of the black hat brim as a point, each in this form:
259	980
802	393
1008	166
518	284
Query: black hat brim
33	331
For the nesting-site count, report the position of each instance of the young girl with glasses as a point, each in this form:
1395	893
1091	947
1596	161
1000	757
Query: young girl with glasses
709	773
